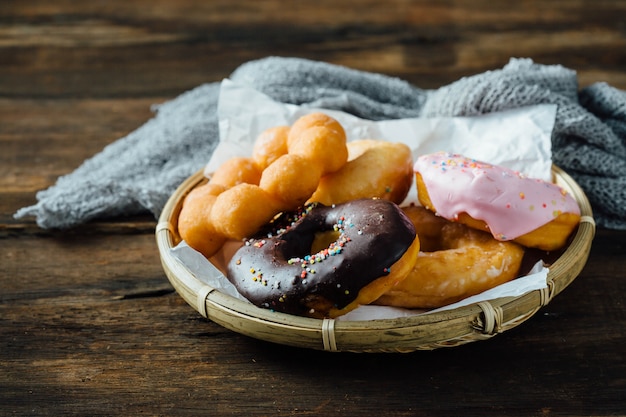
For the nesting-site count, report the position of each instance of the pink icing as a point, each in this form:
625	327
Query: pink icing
510	203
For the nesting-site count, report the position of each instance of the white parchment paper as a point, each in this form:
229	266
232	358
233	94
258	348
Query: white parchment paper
519	139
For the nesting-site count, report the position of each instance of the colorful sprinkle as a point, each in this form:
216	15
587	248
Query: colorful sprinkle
335	248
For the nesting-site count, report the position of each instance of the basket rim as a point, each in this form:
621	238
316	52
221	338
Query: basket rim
422	332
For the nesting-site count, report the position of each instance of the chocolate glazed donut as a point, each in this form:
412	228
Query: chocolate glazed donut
288	270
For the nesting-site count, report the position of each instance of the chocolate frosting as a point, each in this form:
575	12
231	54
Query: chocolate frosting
277	270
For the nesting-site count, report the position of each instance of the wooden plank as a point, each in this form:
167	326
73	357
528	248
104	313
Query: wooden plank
128	50
93	328
89	324
43	139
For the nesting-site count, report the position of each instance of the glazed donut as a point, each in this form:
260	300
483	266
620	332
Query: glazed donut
284	170
455	262
375	169
510	206
324	261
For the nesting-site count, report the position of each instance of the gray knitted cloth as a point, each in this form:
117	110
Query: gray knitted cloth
137	173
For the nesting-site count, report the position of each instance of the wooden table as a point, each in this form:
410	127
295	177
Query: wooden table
89	324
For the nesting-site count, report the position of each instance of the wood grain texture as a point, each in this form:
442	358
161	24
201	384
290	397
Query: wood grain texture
139	48
118	339
89	324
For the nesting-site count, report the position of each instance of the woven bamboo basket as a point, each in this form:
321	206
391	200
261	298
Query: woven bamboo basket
449	328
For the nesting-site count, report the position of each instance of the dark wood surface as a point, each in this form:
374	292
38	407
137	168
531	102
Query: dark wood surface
89	324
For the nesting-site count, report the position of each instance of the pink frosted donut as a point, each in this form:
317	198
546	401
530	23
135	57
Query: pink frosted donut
532	212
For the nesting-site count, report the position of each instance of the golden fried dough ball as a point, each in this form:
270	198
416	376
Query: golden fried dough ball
291	179
310	120
193	221
270	145
235	171
241	210
322	145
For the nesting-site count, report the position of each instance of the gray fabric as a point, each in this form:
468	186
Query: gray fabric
138	172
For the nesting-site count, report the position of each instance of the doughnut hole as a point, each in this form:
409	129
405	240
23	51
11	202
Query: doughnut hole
270	145
427	226
311	120
236	170
324	146
240	211
322	240
194	223
291	179
380	170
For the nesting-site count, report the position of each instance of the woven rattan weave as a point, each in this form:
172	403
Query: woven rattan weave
423	332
